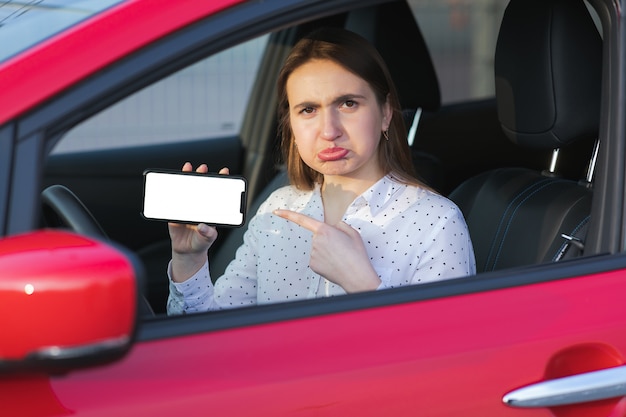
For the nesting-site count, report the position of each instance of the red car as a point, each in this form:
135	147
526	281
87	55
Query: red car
516	111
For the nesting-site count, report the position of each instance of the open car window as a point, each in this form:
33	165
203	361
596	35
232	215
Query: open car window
221	110
203	106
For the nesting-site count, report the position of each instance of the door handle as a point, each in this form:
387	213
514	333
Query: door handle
580	388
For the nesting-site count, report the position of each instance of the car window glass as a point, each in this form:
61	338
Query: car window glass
27	23
461	35
204	100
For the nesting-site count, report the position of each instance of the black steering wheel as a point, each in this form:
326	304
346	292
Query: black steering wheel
62	208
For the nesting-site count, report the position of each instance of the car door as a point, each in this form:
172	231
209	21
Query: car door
437	350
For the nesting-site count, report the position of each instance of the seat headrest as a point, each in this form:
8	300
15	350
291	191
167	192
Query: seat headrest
548	66
392	29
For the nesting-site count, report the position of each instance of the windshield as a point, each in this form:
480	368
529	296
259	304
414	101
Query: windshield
27	23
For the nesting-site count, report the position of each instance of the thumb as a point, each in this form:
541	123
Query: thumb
206	231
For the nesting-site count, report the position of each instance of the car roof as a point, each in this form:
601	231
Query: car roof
84	48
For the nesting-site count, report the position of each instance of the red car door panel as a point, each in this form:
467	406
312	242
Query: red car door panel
434	357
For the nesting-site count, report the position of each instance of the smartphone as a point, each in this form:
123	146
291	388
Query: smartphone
191	197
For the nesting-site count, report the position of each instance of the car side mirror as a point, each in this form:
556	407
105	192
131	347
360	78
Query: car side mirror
66	301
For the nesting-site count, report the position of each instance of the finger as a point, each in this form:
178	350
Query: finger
203	169
208	232
224	171
300	219
346	228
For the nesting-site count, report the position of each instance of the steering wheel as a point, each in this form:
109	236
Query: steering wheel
61	207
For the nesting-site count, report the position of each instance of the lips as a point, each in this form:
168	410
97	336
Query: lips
332	154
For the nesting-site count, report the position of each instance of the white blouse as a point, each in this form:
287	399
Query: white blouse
411	235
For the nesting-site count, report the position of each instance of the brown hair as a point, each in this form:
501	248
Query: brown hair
358	56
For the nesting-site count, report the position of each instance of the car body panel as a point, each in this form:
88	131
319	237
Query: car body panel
398	359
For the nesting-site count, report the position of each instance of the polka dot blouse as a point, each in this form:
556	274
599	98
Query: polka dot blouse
411	235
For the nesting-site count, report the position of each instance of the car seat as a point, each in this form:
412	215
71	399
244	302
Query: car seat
547	75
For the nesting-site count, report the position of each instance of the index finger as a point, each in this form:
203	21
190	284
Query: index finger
300	219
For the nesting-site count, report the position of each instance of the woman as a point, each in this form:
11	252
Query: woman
354	217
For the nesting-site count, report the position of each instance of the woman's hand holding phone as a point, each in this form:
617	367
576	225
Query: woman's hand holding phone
190	243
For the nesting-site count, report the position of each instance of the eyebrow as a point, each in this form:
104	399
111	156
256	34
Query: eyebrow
339	99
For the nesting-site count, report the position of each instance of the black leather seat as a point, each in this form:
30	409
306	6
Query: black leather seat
548	72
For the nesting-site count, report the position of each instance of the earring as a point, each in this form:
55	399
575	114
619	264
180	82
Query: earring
386	134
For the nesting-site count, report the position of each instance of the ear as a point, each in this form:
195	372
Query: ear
387	114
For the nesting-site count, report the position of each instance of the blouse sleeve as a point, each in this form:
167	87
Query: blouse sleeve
448	253
193	295
236	288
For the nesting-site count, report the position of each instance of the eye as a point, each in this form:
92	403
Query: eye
350	104
307	110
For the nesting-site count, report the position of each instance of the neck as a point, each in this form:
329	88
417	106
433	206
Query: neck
338	193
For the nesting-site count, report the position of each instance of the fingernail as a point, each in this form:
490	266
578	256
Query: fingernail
203	228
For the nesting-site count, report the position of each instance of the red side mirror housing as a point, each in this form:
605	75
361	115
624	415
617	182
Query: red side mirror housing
65	301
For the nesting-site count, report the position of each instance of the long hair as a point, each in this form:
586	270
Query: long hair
357	55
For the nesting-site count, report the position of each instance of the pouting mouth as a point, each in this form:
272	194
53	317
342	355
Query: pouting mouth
332	154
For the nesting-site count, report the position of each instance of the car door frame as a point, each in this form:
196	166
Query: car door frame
607	229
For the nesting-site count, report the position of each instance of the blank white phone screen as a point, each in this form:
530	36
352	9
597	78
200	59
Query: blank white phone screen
194	198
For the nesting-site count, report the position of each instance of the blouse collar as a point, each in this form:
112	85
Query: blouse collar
377	196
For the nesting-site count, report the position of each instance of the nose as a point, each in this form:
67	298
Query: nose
330	126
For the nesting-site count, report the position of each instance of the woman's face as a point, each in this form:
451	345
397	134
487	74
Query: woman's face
336	120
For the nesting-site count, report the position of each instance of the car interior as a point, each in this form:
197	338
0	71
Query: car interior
519	163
